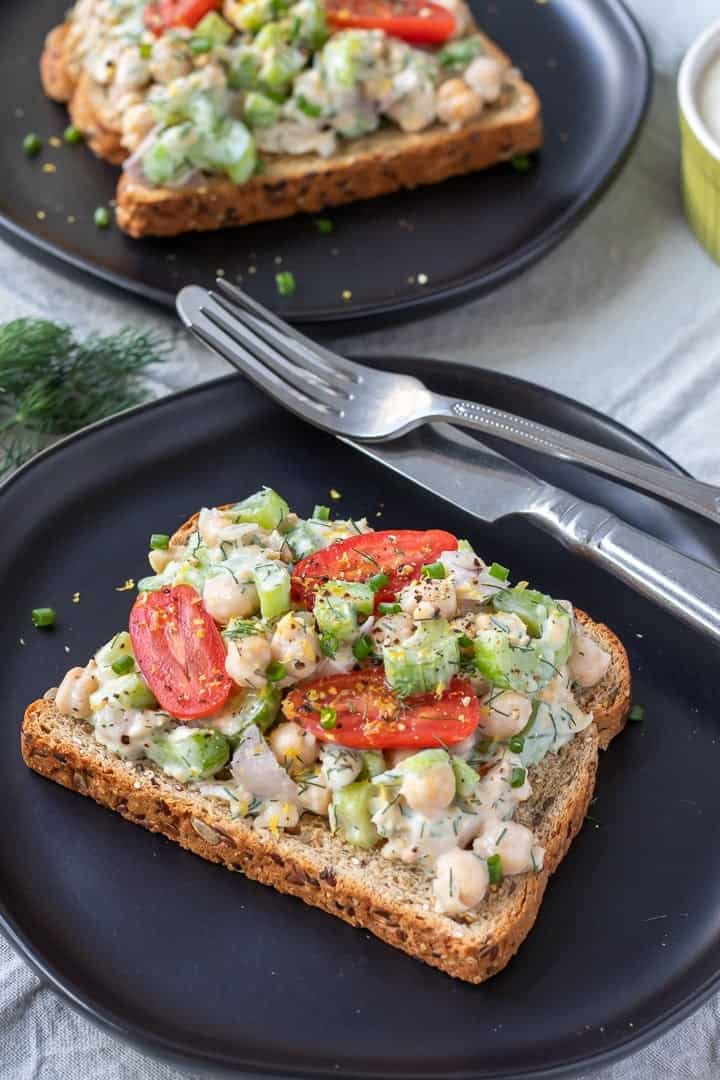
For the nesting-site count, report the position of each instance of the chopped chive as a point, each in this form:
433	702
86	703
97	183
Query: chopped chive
324	225
363	647
495	870
32	144
389	609
517	744
275	671
378	582
159	542
464	641
517	777
321	513
285	283
637	714
434	570
328	718
498	571
123	665
308	107
43	616
145	50
521	162
72	135
101	217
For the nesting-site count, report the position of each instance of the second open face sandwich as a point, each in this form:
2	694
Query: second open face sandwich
377	722
226	113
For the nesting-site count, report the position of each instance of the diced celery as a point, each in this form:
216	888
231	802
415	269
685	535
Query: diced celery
265	508
272	36
115	649
511	667
259	707
272	581
214	28
357	593
188	754
231	150
335	617
531	606
373	762
342	59
302	541
351	807
309	25
128	691
168	155
419	763
280	67
191	574
458	54
466	779
260	110
465	545
254	14
425	662
243	70
557	635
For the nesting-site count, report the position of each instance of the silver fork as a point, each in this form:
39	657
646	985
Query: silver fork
361	403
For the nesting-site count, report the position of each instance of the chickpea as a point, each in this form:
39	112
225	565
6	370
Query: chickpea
588	662
73	695
159	560
315	795
246	660
292	745
512	842
429	598
431	791
295	645
508	715
456	103
461	881
484	75
225	599
392	629
137	123
170	60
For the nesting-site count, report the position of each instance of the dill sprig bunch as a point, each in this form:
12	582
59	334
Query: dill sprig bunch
52	384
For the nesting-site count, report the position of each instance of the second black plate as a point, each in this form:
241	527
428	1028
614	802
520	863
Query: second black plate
388	257
210	970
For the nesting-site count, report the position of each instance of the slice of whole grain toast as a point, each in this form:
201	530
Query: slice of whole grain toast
377	164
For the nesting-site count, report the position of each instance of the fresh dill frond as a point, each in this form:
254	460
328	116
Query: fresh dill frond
52	384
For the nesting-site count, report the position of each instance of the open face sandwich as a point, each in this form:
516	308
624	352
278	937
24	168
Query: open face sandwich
226	112
379	723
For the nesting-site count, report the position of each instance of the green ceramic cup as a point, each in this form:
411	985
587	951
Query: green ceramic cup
700	149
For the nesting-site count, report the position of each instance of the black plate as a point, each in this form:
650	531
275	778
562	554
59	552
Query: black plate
587	59
208	969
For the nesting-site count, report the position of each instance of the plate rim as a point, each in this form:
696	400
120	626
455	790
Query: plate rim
433	300
166	1050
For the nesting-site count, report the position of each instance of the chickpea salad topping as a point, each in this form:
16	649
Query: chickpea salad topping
200	87
389	681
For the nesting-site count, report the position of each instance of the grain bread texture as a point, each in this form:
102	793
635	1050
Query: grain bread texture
391	900
377	164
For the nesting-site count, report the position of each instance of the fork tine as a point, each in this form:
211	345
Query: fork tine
333	360
191	306
264	354
290	350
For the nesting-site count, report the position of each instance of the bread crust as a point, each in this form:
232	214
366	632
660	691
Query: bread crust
391	901
378	164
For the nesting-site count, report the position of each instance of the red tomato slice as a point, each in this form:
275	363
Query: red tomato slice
371	716
419	21
180	652
399	553
161	15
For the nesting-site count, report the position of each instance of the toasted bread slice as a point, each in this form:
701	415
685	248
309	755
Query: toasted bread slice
390	899
377	164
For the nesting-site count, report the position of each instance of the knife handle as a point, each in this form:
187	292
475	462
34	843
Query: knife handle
687	588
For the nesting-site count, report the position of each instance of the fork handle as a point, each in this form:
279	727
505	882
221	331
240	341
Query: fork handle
688	589
691	494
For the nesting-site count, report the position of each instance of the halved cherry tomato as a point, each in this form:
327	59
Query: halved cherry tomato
161	15
369	715
399	553
180	652
419	21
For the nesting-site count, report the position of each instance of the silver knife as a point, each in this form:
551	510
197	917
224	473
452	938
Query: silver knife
469	475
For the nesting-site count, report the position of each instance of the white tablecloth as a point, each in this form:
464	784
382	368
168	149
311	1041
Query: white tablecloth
625	316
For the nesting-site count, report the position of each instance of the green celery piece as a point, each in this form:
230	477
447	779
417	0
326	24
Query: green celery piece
335	617
373	763
196	756
466	779
421	762
423	662
214	28
259	707
254	14
559	624
265	508
272	581
128	691
531	606
357	593
115	649
521	668
243	71
351	805
260	110
458	54
302	541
